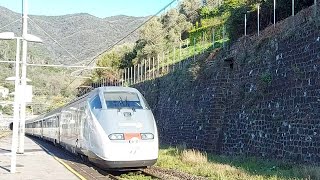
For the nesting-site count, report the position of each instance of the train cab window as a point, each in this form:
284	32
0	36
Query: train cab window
96	103
117	100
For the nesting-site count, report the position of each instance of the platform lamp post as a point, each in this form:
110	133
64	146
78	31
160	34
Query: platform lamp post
17	96
31	38
16	117
26	38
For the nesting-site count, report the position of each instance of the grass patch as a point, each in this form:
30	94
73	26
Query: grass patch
174	57
223	167
193	157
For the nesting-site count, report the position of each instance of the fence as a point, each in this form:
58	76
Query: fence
180	55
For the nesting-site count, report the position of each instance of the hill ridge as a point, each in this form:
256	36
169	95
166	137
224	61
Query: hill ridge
82	30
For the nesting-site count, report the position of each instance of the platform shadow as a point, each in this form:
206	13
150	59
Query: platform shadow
4	168
2	149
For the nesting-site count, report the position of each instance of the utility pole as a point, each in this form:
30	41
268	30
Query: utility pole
213	38
258	19
292	7
23	77
245	24
274	13
138	73
224	36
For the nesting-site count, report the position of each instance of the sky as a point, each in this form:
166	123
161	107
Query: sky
98	8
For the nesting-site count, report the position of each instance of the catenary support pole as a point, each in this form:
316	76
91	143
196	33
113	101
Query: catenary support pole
23	78
16	116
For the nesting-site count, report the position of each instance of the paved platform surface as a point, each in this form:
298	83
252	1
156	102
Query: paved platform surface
34	164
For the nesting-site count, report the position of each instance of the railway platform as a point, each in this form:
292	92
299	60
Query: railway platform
36	163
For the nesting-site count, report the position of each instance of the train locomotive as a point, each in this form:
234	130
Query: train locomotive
113	127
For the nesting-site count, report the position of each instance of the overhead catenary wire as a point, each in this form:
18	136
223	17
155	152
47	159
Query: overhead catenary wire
131	32
54	39
10	23
78	61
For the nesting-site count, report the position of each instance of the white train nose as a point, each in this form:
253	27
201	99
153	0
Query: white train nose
134	140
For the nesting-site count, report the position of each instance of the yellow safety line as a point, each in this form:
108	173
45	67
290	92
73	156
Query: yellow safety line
4	134
63	163
69	168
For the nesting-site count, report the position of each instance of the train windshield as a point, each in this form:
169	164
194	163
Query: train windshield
118	100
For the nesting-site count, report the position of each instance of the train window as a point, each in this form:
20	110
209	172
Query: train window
49	123
116	100
96	103
38	124
55	121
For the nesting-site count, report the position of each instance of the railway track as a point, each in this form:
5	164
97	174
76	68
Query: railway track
151	173
171	174
83	168
87	171
117	175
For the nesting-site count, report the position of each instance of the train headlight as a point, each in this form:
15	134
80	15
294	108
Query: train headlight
145	136
116	136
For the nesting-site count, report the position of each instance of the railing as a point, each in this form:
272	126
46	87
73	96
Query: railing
177	58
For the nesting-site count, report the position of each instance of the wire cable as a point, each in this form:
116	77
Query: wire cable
131	32
10	23
54	40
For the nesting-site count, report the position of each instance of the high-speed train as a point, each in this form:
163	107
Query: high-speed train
112	127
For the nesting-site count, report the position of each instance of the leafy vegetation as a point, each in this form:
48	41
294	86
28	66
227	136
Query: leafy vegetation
224	167
48	83
192	25
84	36
178	34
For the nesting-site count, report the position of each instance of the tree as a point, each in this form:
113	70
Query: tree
118	57
175	24
8	110
152	36
212	3
190	9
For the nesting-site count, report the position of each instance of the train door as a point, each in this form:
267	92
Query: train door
41	128
58	128
62	126
86	125
81	123
77	125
